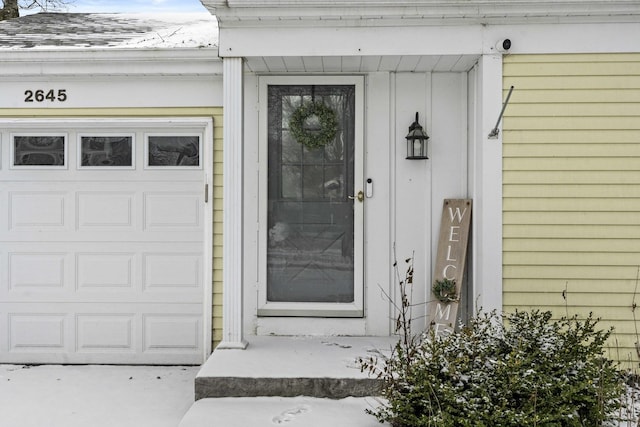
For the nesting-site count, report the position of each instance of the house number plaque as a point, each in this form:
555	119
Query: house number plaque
42	95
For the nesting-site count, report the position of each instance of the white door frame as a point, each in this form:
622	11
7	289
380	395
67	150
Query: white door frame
355	309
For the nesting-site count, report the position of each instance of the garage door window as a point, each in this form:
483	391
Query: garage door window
114	151
173	151
36	151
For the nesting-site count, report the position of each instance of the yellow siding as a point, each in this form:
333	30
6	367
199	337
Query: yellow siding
571	189
216	113
217	228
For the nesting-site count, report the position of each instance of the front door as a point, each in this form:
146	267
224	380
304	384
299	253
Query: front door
314	202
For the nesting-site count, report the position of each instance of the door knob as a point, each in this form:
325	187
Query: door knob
359	196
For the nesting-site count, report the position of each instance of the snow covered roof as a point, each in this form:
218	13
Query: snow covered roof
102	31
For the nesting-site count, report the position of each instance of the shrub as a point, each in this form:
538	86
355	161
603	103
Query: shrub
520	369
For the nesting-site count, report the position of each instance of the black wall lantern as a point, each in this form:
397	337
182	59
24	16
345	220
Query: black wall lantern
416	141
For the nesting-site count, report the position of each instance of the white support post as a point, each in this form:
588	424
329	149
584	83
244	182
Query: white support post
486	188
232	205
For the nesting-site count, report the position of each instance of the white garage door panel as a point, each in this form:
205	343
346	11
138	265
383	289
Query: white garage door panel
93	211
101	333
29	332
178	333
31	271
29	210
172	211
105	333
104	271
105	210
101	265
172	271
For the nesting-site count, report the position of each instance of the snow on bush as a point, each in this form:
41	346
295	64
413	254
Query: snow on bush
519	369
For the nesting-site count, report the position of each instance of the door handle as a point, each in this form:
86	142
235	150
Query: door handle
359	197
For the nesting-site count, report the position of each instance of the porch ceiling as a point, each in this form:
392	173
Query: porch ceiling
361	64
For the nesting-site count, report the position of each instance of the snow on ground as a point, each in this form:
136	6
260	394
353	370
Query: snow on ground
95	395
159	396
287	411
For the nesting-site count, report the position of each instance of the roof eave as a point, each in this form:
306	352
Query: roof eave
383	12
113	61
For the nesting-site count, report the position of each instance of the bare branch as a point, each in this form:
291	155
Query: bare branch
11	8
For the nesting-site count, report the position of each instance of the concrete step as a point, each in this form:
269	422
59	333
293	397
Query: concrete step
321	367
292	411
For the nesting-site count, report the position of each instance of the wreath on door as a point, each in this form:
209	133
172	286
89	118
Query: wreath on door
313	138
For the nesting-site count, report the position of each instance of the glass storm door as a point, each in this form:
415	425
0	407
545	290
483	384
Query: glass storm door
314	227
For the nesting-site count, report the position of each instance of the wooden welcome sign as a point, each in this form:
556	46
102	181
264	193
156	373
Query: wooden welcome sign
450	265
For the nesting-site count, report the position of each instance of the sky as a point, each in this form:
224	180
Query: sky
134	6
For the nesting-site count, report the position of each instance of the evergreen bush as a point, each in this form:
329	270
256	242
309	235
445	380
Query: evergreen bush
519	369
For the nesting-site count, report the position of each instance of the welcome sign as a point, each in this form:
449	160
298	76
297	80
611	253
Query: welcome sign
450	262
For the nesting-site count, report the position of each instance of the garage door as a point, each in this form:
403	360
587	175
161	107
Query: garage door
102	243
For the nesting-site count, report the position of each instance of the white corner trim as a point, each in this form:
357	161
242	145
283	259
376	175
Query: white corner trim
486	188
232	276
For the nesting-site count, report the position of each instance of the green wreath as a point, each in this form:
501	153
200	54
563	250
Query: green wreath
445	290
314	138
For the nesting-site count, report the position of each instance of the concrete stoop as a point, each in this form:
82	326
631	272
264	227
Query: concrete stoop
293	366
293	380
